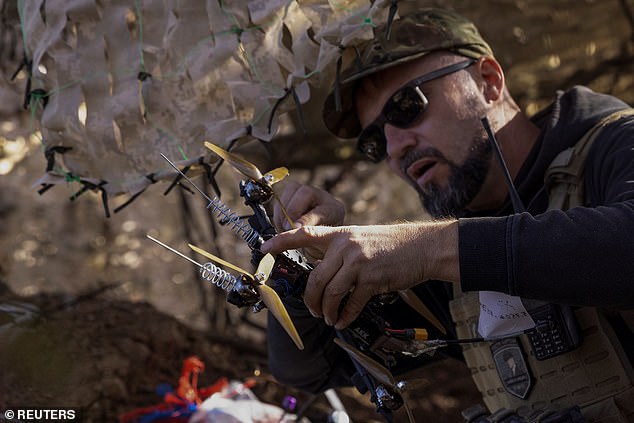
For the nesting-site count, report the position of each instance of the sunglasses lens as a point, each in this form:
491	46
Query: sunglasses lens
401	110
372	143
404	107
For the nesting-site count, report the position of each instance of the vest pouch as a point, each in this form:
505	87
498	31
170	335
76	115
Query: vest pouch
596	376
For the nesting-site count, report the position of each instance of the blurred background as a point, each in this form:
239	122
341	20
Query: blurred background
94	315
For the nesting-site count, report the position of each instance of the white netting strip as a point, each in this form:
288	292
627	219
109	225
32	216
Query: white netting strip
123	80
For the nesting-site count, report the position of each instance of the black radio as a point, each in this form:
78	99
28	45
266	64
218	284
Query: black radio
556	329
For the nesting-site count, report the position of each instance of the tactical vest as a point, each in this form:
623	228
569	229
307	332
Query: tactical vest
597	376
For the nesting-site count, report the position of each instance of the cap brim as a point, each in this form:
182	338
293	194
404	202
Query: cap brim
345	123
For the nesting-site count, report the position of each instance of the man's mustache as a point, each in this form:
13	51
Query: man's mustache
414	155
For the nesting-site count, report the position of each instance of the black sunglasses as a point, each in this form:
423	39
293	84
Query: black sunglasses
402	109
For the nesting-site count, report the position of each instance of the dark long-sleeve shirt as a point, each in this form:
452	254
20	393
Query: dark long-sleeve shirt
583	256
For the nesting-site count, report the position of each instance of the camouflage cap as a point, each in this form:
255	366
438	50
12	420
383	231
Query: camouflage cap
412	36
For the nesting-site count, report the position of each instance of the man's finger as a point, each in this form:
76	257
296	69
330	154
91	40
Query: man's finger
285	198
338	287
317	282
297	238
320	215
300	202
357	300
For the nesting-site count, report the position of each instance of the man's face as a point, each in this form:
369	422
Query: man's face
445	154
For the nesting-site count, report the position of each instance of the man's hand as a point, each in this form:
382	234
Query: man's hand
370	260
307	205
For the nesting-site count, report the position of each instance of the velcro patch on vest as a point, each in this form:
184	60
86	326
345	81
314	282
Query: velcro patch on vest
511	367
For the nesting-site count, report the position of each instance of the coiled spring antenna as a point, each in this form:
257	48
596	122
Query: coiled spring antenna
217	276
235	222
208	271
225	215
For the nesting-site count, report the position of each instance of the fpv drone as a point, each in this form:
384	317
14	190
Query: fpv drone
373	345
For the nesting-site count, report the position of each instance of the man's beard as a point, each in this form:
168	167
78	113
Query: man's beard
465	181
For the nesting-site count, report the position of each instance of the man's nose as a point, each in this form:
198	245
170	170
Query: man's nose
398	141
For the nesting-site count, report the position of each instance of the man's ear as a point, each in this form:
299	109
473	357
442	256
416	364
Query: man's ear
492	78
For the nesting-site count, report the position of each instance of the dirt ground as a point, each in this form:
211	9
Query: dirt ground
107	357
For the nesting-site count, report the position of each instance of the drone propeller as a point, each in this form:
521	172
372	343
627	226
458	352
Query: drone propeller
273	301
268	295
276	175
248	169
376	369
414	302
251	171
217	259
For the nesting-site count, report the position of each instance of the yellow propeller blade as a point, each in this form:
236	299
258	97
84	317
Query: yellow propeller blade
246	168
275	305
276	175
288	218
268	294
218	260
273	301
376	369
414	302
264	268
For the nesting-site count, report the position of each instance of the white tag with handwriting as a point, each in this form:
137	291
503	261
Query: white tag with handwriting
502	314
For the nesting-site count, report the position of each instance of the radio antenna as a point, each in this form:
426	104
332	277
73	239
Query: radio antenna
518	206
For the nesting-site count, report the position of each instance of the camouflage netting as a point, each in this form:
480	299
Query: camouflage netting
114	83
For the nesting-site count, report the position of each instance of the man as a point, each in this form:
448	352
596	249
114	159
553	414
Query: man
417	100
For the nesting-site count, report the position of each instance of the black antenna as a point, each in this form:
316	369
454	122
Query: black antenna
518	206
